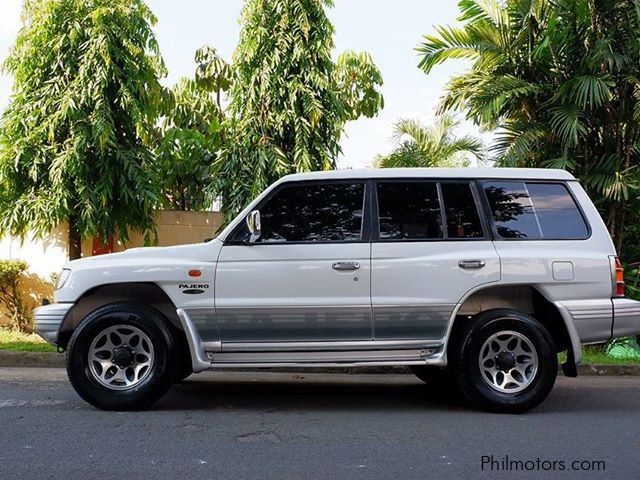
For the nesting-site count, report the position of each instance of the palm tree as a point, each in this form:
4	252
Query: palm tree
561	82
417	145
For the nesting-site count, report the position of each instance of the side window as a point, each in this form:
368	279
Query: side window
409	211
529	210
461	211
314	213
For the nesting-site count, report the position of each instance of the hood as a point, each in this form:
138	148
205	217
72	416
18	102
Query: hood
196	251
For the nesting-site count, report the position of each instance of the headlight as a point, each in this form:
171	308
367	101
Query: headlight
63	277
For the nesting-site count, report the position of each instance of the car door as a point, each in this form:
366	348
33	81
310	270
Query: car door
307	277
430	247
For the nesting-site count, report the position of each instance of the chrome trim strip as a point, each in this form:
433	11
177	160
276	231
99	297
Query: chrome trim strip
320	364
303	358
199	359
326	346
49	318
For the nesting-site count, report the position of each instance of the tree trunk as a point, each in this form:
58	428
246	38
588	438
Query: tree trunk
75	239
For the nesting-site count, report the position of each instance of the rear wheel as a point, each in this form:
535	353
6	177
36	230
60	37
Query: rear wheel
119	357
505	361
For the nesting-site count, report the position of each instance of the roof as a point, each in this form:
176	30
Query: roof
486	172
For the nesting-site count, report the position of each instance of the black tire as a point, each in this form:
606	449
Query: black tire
465	362
156	381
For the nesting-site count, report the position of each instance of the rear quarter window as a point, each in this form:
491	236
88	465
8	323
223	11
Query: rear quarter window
535	211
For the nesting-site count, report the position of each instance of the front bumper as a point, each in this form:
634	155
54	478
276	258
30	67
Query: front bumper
48	319
626	317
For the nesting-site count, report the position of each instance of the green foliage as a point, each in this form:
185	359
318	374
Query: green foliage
561	82
186	151
11	272
632	280
357	82
289	100
417	145
213	73
74	140
192	133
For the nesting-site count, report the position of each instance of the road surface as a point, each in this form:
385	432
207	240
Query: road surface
228	425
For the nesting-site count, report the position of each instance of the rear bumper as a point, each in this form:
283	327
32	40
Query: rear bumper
48	319
626	317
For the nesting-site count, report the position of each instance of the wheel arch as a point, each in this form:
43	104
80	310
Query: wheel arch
524	298
141	292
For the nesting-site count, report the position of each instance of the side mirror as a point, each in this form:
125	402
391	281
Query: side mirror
253	223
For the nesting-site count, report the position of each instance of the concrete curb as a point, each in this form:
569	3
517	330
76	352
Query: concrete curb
31	359
56	360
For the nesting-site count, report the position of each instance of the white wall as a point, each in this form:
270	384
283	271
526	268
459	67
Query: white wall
43	256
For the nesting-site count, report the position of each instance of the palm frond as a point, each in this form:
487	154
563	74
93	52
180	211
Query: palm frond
451	43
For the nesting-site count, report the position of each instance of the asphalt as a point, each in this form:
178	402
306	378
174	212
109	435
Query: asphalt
227	425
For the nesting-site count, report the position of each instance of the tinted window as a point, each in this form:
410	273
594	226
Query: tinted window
409	210
535	211
313	213
461	211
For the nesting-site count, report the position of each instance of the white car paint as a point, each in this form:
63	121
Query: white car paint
248	285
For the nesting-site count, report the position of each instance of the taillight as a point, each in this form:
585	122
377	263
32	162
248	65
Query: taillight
617	276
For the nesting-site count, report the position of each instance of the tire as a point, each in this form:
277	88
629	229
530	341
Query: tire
135	340
504	361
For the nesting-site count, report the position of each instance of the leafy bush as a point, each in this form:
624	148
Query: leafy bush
632	280
11	271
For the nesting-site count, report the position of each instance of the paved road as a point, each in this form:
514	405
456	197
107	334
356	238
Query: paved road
311	426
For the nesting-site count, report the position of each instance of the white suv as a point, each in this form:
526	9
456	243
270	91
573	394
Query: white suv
477	277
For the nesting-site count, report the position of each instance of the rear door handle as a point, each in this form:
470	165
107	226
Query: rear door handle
470	264
345	266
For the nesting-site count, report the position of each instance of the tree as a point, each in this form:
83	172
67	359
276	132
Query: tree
11	274
190	137
417	145
192	133
213	74
561	83
74	140
289	101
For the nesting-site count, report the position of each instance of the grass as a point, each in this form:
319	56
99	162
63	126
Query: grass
595	356
23	342
591	356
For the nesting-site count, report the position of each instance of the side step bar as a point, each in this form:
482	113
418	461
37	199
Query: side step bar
352	357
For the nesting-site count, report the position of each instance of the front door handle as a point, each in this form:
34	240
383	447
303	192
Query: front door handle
345	266
470	264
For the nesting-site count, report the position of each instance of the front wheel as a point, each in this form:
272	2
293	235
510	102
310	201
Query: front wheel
119	357
505	361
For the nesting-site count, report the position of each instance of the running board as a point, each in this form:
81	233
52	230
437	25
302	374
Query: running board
401	355
338	358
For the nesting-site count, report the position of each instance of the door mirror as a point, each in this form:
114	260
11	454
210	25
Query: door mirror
253	223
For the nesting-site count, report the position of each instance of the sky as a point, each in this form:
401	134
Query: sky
388	29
